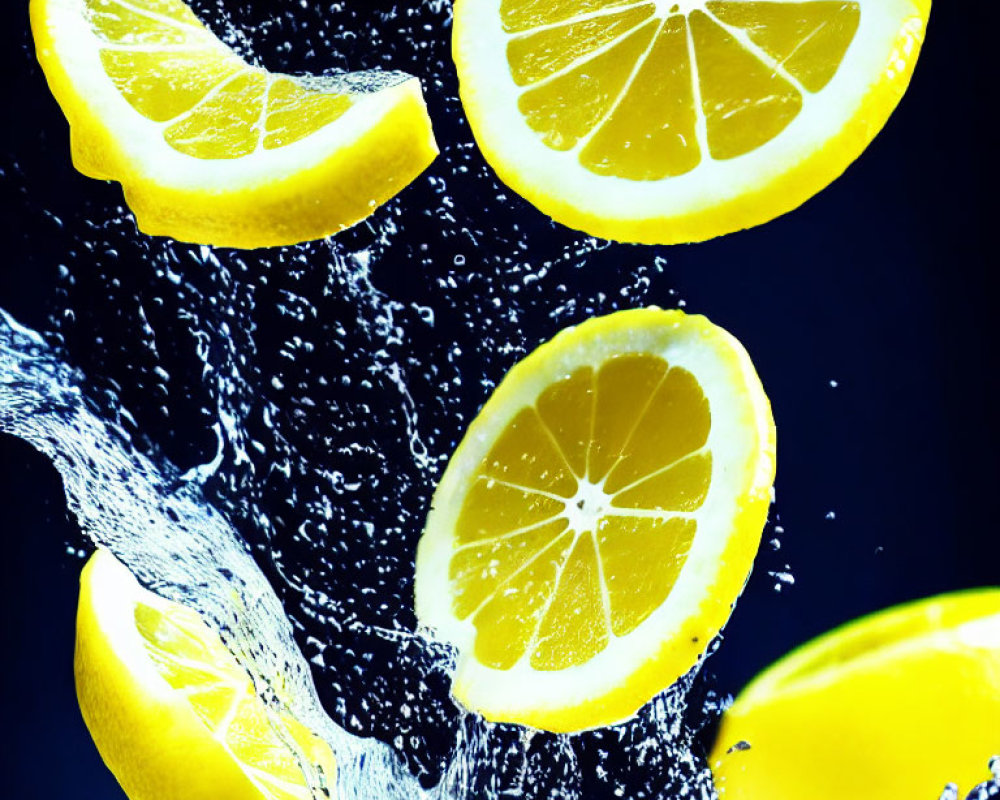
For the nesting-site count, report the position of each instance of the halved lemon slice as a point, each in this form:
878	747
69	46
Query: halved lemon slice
665	121
890	707
599	519
212	150
172	713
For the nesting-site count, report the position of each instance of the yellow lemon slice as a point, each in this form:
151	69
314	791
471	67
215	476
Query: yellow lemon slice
597	522
665	121
210	149
173	714
891	707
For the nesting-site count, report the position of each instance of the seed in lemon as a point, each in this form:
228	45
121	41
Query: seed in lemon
171	711
598	520
212	150
665	121
891	707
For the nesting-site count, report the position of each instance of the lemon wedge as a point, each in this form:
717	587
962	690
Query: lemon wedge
212	150
172	713
891	707
665	121
598	520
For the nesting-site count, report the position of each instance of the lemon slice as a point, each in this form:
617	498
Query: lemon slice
665	121
893	706
597	522
212	150
172	713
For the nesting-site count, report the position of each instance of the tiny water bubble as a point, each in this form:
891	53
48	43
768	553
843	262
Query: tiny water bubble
782	578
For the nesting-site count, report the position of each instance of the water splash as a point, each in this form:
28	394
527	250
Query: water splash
987	790
305	400
175	543
159	524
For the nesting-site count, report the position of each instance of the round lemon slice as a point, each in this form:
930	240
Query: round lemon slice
212	150
665	121
896	705
598	520
172	713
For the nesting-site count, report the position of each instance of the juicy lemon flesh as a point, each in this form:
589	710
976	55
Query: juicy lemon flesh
628	85
893	706
192	659
212	105
578	520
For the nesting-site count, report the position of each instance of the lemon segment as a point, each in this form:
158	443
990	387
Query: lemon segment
809	40
211	149
598	520
661	122
896	705
171	711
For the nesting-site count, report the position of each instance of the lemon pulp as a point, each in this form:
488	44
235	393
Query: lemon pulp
626	79
212	105
575	527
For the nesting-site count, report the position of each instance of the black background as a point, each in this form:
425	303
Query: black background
887	482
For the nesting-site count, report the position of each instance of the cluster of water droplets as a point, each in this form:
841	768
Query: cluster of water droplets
279	418
987	790
159	524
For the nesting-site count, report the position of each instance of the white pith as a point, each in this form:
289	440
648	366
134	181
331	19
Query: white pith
584	510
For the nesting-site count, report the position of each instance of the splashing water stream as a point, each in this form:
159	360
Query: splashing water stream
258	434
156	519
173	542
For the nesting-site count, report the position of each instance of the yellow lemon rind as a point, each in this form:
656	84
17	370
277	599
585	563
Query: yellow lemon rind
503	696
781	189
882	634
348	168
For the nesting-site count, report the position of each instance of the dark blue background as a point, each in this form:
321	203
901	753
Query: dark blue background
883	283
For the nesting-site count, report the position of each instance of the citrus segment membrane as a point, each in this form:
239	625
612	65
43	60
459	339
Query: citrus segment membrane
808	40
630	84
652	134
